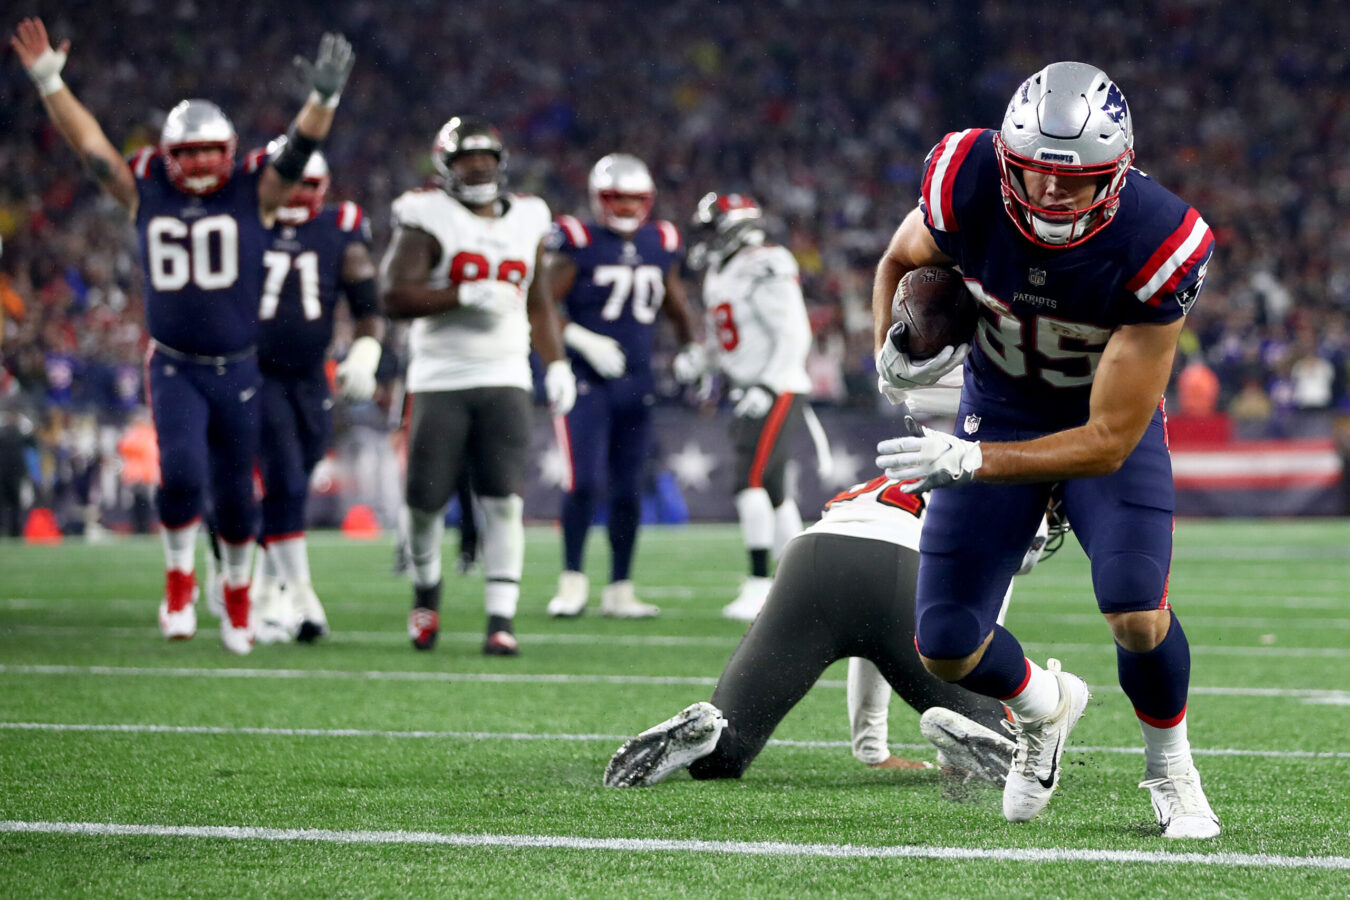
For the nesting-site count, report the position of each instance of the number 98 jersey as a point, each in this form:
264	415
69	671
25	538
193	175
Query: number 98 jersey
201	257
619	286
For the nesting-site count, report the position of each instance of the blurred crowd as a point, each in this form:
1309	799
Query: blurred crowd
823	112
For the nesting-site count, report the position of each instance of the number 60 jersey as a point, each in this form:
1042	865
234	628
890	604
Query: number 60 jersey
202	258
473	347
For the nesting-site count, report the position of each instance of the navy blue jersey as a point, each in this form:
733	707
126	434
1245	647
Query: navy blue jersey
619	287
301	281
201	257
1046	314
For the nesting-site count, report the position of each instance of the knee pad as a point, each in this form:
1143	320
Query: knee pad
1128	582
948	631
503	536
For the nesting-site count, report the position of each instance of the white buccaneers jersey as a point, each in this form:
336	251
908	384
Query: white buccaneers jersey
878	510
471	347
756	309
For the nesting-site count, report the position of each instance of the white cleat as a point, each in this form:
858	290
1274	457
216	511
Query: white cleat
966	746
751	599
275	615
238	641
570	601
180	625
1040	745
215	587
309	611
651	756
618	601
1181	807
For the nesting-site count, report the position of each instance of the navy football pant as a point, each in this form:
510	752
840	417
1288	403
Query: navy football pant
975	536
605	440
297	422
208	422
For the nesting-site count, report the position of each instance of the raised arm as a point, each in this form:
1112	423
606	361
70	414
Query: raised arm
76	124
326	76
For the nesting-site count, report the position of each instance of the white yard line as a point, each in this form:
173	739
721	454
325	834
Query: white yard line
221	730
1317	695
641	845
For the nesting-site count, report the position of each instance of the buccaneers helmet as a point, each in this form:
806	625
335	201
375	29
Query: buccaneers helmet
463	135
722	225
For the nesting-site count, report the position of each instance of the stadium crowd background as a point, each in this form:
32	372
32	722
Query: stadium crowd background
822	112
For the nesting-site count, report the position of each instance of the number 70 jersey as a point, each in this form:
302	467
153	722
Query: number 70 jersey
201	257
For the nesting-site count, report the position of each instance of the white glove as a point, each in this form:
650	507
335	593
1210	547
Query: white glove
898	370
894	395
560	387
490	295
689	364
754	403
1037	547
928	459
356	373
605	354
46	71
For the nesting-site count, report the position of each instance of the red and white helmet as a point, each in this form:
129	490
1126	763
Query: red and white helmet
306	198
1067	119
616	176
198	123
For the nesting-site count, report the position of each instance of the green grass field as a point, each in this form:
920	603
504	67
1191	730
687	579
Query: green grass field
131	767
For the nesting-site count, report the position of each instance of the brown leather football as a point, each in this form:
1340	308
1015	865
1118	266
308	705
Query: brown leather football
936	309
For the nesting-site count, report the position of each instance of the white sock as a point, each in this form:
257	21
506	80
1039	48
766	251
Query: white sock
1166	750
237	560
290	558
755	510
869	698
180	547
1039	698
787	524
503	552
425	530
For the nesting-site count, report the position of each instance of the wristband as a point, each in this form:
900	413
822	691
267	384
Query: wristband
326	102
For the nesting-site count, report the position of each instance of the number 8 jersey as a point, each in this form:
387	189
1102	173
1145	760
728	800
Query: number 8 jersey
201	257
473	347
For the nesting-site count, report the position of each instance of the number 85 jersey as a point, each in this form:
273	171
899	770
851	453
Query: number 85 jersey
201	257
470	347
1047	313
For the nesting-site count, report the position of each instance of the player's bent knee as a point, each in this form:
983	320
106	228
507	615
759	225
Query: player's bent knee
948	635
1128	582
1140	632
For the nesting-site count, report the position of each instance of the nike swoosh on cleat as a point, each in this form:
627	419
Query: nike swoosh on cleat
1049	783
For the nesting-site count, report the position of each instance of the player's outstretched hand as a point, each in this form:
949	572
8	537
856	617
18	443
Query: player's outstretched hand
928	459
34	49
755	403
327	74
689	364
560	387
899	371
356	373
605	354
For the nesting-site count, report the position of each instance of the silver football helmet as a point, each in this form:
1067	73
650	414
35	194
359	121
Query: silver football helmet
616	176
722	225
192	124
306	198
1067	119
463	135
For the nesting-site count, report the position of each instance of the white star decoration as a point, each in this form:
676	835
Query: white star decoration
692	466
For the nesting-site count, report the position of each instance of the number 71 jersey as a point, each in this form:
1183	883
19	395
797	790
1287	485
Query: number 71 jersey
201	257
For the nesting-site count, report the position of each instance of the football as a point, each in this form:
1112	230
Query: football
936	310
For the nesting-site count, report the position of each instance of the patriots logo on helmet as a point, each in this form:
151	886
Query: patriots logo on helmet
1114	107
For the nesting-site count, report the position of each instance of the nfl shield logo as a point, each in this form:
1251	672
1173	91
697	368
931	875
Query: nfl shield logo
972	424
1036	277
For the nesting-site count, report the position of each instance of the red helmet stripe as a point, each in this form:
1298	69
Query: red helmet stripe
939	182
670	236
1173	259
575	230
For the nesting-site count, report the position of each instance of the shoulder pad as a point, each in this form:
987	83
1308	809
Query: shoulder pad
572	232
670	235
350	216
1185	250
940	171
140	162
255	159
